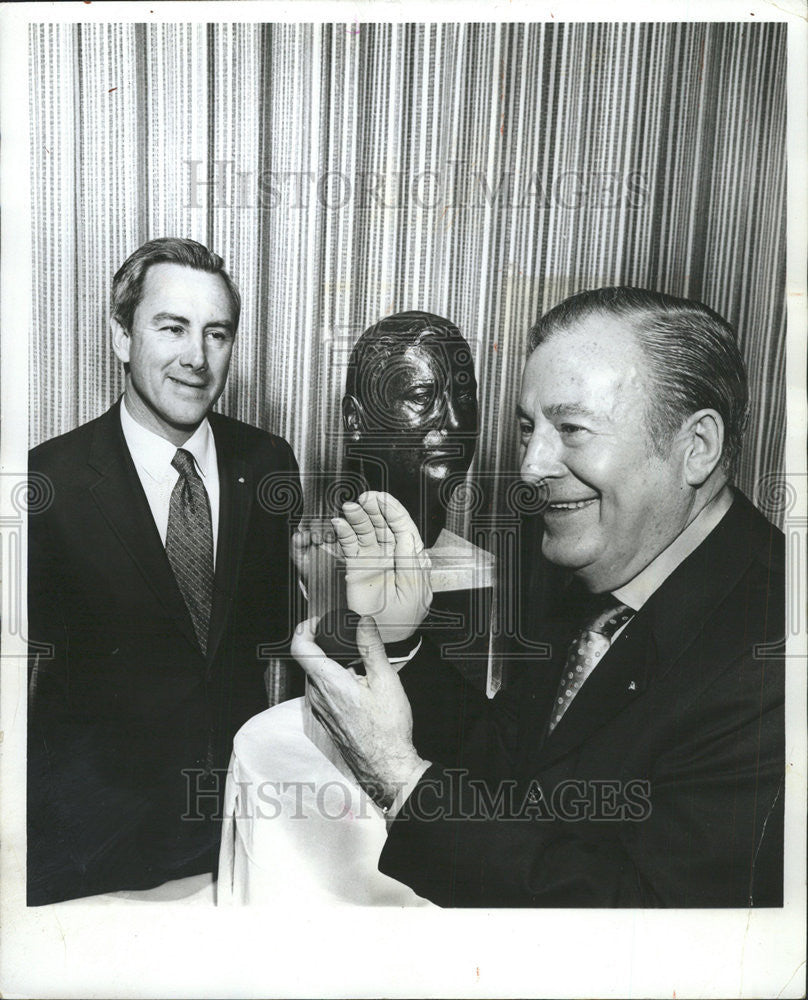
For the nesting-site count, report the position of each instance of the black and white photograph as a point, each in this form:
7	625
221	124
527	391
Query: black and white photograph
404	500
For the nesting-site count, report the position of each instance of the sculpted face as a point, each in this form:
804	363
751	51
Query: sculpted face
178	349
410	411
614	504
423	401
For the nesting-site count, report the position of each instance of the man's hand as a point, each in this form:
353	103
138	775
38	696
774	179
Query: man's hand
386	566
313	552
369	718
306	546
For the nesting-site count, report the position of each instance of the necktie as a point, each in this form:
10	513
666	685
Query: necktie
585	651
189	543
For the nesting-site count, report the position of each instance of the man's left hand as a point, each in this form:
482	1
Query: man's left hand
369	718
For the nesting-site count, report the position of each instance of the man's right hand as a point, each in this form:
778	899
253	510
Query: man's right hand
368	717
387	568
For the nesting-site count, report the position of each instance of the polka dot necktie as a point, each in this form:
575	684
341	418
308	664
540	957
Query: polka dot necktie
189	543
585	652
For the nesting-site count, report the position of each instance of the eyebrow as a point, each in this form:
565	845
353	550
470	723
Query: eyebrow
570	410
161	317
560	410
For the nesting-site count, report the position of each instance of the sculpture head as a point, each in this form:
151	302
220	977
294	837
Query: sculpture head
410	412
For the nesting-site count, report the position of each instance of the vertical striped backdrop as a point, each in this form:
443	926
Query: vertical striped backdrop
480	171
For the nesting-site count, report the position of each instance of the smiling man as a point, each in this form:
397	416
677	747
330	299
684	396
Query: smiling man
155	577
644	766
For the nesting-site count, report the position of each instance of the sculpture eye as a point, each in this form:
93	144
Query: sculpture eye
419	397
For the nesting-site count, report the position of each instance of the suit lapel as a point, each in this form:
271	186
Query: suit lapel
665	628
120	498
621	676
236	489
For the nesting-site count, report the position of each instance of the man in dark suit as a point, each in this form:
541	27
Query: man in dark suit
644	766
159	582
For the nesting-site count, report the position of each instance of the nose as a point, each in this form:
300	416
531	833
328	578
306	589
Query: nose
452	419
193	353
542	456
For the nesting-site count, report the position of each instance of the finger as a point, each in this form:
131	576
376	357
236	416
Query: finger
321	671
316	538
370	504
411	558
362	525
371	648
300	539
401	524
346	537
360	678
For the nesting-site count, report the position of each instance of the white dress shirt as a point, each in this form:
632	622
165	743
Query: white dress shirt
637	591
152	456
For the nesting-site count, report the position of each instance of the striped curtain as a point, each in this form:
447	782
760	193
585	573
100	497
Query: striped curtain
346	171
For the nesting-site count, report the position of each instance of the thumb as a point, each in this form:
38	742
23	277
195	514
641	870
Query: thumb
371	648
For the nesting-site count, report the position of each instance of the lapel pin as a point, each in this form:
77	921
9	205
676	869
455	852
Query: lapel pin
632	686
241	479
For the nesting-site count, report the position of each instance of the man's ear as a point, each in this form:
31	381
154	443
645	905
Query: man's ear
121	341
353	416
703	433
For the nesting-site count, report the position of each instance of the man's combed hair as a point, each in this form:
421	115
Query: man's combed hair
693	359
127	285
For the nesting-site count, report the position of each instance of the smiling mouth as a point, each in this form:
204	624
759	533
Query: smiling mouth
188	385
567	505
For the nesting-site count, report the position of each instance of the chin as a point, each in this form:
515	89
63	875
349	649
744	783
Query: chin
190	416
441	469
565	556
437	473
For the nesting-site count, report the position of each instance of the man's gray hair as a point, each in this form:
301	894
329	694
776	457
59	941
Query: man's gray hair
693	359
127	285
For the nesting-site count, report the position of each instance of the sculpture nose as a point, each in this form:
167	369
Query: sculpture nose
452	421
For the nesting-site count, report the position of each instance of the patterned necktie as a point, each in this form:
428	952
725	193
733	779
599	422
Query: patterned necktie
585	651
189	543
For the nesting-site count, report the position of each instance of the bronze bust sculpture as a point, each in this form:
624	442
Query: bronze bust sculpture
410	413
410	421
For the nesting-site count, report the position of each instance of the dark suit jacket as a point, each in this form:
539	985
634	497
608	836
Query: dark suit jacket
121	699
445	706
663	783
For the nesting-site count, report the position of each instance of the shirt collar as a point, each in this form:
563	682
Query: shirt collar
154	453
637	591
